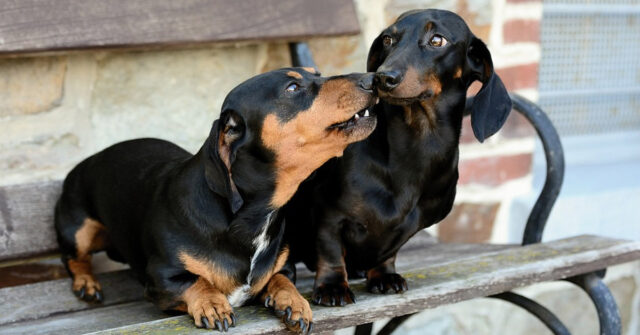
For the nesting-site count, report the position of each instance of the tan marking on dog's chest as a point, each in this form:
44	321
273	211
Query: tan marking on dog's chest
219	278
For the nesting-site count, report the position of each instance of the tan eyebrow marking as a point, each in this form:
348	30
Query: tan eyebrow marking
294	74
429	26
310	69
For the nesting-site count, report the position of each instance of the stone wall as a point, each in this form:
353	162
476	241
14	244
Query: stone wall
56	110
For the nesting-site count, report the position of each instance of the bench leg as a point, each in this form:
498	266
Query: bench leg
301	55
606	306
367	328
364	329
542	313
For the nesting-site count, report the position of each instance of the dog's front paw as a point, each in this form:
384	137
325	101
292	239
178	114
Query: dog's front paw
385	282
87	288
333	295
212	311
288	304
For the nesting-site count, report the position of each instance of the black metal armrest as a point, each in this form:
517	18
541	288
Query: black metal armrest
554	156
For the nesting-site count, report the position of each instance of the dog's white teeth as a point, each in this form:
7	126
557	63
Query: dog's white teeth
377	100
356	116
366	112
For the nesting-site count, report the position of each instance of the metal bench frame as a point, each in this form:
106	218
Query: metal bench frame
591	283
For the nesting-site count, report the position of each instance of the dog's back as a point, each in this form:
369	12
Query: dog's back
113	188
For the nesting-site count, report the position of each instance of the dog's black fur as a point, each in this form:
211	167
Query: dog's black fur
353	215
196	229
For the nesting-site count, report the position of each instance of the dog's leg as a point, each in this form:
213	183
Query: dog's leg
289	271
173	288
281	295
331	287
88	238
383	277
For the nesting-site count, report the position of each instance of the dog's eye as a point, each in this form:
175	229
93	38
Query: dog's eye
387	41
437	41
292	87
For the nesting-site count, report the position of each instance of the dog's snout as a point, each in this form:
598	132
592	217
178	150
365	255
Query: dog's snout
388	80
366	82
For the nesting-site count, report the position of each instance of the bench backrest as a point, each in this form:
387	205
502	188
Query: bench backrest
39	26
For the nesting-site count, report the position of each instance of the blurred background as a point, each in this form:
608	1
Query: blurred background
579	59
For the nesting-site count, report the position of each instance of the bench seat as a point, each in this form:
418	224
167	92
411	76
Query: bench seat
437	274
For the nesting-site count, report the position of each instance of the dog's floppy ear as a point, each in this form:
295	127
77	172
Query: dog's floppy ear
374	60
227	135
492	104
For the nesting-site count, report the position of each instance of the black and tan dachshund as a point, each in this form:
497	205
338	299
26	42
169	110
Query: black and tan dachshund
352	216
203	232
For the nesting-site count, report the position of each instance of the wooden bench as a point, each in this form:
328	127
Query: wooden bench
437	273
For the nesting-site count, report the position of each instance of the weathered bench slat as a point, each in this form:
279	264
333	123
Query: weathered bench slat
34	25
433	275
88	321
26	219
38	300
33	301
435	285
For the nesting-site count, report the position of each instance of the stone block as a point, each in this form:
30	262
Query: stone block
339	55
31	85
174	95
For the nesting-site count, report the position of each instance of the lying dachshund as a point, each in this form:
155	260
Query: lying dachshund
203	232
351	218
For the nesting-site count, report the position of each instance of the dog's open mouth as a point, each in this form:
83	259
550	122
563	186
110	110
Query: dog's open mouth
353	121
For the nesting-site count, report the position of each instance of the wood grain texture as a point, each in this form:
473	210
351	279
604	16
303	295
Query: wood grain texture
437	274
40	25
26	219
33	301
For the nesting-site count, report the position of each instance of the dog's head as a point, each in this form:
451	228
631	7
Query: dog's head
431	55
285	124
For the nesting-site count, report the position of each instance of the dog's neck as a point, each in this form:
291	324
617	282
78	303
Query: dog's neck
249	218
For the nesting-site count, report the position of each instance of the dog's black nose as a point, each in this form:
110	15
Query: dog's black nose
366	82
388	80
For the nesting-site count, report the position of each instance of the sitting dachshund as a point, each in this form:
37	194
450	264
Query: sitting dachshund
352	216
204	232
